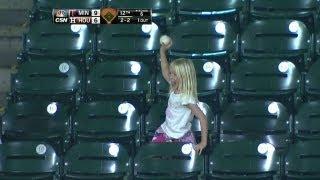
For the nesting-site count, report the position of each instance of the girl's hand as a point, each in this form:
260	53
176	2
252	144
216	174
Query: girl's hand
165	47
199	147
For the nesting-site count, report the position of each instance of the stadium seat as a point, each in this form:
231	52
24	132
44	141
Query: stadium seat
267	79
168	161
64	42
162	10
317	44
156	116
210	40
242	160
211	84
232	12
43	8
96	161
50	80
302	160
280	38
112	121
128	41
256	120
304	10
307	126
28	160
126	80
37	121
312	82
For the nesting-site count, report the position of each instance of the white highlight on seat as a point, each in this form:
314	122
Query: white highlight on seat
64	67
147	28
123	108
186	148
41	149
135	67
220	28
52	108
77	27
283	66
273	108
114	149
294	26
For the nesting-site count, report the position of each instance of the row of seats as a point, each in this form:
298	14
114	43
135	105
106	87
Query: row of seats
212	40
60	80
166	12
62	125
232	160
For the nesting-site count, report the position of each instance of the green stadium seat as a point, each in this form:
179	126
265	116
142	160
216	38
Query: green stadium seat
301	161
280	38
312	82
317	44
256	120
307	126
267	79
112	121
51	80
242	160
96	161
168	161
304	10
28	160
45	39
126	80
156	116
43	8
162	10
128	41
37	121
210	40
232	12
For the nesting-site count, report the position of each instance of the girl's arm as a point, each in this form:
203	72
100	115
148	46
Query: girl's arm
164	61
203	124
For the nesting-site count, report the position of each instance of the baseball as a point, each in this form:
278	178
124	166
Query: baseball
165	40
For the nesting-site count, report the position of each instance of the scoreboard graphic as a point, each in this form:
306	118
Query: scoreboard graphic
102	16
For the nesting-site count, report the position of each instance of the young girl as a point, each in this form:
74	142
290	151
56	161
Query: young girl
182	103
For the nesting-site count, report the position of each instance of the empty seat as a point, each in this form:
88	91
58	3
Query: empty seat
270	79
229	11
289	39
103	121
28	160
304	10
96	161
210	40
244	160
126	80
45	39
122	42
211	84
162	10
312	82
256	120
301	161
307	124
37	121
50	80
168	161
43	8
156	116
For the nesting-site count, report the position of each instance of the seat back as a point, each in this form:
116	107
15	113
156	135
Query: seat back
96	160
312	82
33	160
256	120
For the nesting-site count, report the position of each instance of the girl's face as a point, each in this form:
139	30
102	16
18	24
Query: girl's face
173	77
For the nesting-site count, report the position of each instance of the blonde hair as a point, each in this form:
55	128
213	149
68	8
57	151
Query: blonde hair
186	74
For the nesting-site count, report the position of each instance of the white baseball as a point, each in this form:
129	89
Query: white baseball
165	40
